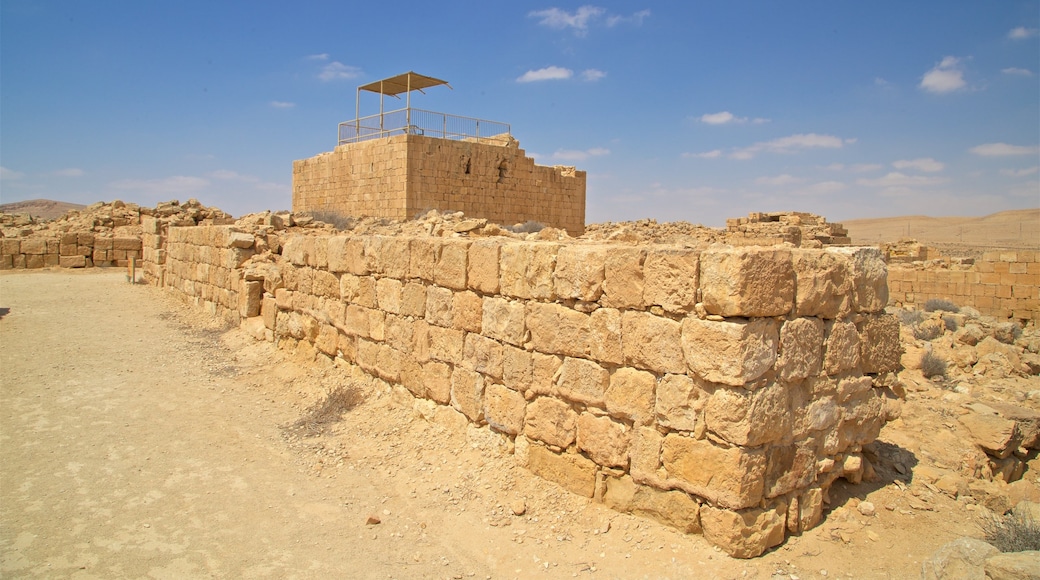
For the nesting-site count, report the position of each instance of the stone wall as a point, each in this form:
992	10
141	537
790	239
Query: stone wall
1003	284
399	177
68	250
721	390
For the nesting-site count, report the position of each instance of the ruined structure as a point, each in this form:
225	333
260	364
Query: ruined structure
401	163
798	228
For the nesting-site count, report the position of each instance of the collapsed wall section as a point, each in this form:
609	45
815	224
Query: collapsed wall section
721	390
401	176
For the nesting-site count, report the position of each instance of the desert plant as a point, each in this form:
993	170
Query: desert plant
337	220
528	227
928	330
933	304
911	317
1014	532
950	322
932	365
326	411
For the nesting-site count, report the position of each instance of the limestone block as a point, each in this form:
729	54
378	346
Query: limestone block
745	533
747	281
387	255
623	277
517	368
327	340
325	284
467	310
346	254
961	558
412	377
389	293
68	250
862	419
570	471
823	283
422	258
86	239
438	306
503	320
69	239
605	441
450	270
579	272
652	342
250	297
842	350
544	370
356	320
467	393
880	349
749	418
732	477
483	355
790	467
605	336
679	402
731	352
801	349
437	378
805	511
551	421
996	435
526	269
269	311
445	344
72	261
869	277
671	278
235	240
672	508
11	247
400	333
413	300
482	266
298	250
556	329
630	395
504	409
583	381
34	246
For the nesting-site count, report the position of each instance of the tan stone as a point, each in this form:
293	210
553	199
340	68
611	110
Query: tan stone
605	336
359	290
749	281
482	266
298	250
579	272
880	349
869	277
630	395
544	370
732	352
413	300
504	409
445	344
438	306
823	284
731	477
645	454
503	320
72	261
516	368
745	533
483	355
842	347
400	333
570	471
801	349
583	381
672	508
556	329
324	284
679	402
526	270
789	467
437	378
422	258
996	435
412	377
387	256
652	342
269	311
605	441
467	309
623	277
749	418
551	421
327	340
467	393
671	278
389	294
450	270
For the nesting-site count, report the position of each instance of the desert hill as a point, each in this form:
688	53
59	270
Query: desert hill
1018	229
40	208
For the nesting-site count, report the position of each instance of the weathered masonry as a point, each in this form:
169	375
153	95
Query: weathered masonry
721	390
400	163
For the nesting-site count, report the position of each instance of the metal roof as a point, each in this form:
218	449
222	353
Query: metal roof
403	83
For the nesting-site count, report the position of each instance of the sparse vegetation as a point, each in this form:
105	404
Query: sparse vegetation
911	317
929	330
528	227
336	220
1014	532
933	304
950	322
932	365
327	411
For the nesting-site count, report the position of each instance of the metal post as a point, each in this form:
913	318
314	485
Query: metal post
408	105
380	108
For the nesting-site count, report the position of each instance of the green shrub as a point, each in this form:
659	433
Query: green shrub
1014	532
932	365
933	304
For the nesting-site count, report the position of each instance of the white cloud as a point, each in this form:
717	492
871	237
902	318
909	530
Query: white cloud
897	179
945	77
1021	72
575	155
636	18
592	75
925	164
713	154
1021	33
790	144
880	82
69	172
175	185
855	167
823	188
322	56
725	117
336	70
6	173
1003	150
560	19
549	73
779	180
1020	172
282	104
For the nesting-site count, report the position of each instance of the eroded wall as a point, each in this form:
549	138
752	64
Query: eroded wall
720	390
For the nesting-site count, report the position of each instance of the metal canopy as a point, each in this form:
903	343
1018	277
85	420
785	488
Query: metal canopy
393	86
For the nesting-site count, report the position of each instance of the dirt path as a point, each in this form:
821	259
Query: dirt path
140	440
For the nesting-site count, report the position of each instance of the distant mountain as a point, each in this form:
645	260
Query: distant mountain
40	208
1008	229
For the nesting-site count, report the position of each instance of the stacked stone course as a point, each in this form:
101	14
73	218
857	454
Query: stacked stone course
68	250
721	390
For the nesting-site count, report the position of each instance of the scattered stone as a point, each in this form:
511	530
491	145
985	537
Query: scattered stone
963	558
866	508
373	520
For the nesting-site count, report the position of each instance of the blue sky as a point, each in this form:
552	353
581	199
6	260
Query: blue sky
693	111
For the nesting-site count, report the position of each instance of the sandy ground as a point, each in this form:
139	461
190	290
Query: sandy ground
954	236
138	439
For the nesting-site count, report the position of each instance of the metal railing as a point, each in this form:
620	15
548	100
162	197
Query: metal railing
419	122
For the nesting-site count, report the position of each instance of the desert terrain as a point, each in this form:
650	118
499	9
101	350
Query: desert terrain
40	209
954	236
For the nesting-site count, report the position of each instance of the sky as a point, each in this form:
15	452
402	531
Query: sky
696	111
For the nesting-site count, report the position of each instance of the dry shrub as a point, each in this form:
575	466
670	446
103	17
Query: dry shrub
932	365
327	411
928	330
911	317
336	220
1014	532
528	227
950	322
933	304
